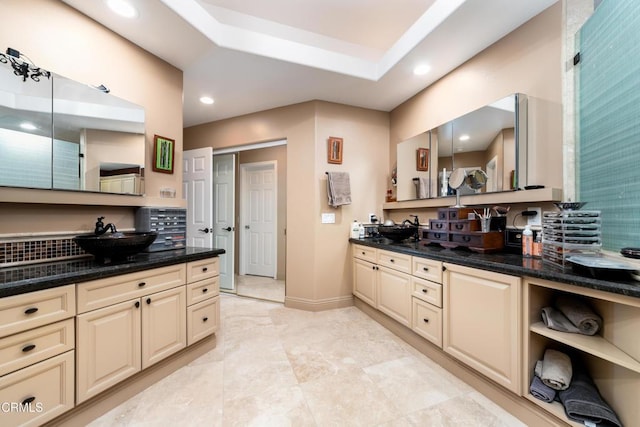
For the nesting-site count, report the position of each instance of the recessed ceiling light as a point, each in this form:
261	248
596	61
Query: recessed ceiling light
27	126
122	8
421	70
206	100
464	137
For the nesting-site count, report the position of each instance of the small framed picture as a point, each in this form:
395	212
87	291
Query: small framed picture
422	159
334	154
164	152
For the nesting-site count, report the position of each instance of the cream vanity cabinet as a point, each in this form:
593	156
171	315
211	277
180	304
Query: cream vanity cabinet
127	323
612	356
37	355
203	299
382	280
481	325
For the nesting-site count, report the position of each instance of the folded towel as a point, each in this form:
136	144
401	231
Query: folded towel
424	188
338	188
582	402
538	369
556	369
579	313
554	319
541	391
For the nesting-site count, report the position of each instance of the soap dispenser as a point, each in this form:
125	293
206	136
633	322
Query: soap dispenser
355	229
527	242
361	231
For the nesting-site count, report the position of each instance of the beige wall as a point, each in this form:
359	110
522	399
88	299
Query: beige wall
278	154
60	39
318	273
526	61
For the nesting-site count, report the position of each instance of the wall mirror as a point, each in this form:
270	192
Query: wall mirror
56	133
491	138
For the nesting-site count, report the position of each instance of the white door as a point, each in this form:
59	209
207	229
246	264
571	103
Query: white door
224	187
259	218
197	185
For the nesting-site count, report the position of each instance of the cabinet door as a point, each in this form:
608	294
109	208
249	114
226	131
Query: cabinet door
394	294
164	325
481	323
107	346
364	281
427	321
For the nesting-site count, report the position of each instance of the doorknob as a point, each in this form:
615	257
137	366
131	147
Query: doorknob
204	230
247	227
227	229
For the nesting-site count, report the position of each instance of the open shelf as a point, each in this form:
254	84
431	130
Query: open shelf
524	196
595	345
555	408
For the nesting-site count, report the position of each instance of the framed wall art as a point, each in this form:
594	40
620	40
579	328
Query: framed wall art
334	154
164	152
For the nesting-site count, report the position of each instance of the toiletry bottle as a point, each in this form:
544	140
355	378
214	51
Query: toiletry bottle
361	231
527	242
537	245
355	229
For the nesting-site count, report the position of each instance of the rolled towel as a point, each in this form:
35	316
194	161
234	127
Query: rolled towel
582	402
541	391
556	369
579	313
554	319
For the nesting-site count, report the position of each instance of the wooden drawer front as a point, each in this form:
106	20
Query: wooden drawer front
203	290
365	253
203	269
467	239
427	269
202	319
463	226
104	292
427	321
35	345
400	262
438	225
48	383
427	291
26	311
437	236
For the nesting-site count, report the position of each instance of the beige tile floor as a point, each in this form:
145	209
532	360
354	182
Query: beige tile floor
259	287
275	366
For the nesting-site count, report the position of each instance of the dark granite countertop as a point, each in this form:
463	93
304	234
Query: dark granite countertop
510	263
35	277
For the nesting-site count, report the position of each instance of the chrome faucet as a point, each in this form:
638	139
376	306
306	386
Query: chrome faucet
101	228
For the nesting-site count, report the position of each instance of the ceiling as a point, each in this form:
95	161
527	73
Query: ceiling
252	55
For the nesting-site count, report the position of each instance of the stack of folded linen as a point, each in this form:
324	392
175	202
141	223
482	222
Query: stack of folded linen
571	314
556	379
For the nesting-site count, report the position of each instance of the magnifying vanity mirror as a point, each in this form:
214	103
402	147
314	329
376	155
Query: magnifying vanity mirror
56	133
491	139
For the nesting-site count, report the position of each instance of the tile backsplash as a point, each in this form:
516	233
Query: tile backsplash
38	249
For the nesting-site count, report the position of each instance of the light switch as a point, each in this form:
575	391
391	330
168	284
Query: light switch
328	218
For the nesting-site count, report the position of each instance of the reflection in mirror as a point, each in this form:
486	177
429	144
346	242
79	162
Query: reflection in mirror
413	176
56	133
443	135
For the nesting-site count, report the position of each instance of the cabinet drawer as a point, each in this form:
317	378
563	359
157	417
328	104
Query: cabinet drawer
438	225
35	345
365	253
202	319
104	292
203	269
439	236
26	311
49	387
427	269
427	321
464	225
427	291
203	290
400	262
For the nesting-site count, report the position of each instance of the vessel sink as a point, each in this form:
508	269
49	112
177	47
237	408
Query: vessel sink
110	246
397	233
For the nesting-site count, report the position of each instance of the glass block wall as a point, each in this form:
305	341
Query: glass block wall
608	133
